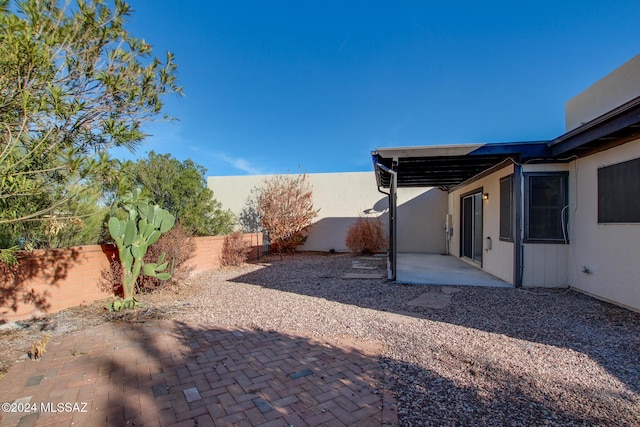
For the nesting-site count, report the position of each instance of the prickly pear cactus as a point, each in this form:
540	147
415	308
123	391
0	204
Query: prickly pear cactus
133	236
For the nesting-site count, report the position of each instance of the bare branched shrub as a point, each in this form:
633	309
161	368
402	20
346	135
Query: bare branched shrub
178	246
288	245
366	236
111	279
285	207
234	250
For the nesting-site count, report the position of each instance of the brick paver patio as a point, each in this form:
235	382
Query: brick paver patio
165	373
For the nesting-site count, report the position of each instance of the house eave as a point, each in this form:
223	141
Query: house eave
612	128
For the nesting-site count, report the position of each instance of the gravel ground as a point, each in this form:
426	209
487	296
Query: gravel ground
491	357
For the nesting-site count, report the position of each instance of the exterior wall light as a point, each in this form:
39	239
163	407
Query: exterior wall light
485	196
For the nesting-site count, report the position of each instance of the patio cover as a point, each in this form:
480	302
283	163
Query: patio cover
446	166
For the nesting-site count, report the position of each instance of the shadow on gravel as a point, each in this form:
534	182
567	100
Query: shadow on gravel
427	400
606	333
169	373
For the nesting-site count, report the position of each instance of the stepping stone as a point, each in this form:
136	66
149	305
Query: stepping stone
161	390
301	374
435	300
449	290
35	380
372	258
364	267
362	276
192	394
262	405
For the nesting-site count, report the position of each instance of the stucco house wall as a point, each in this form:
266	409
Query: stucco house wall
342	198
498	260
613	90
421	217
608	251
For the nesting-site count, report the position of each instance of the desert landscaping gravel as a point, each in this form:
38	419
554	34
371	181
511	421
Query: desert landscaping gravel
491	356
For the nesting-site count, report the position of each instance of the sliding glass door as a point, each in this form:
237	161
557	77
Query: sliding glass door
472	226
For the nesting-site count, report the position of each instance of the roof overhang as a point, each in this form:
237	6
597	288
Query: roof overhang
608	130
446	166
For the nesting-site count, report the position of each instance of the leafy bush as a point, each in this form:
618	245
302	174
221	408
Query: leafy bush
234	250
366	236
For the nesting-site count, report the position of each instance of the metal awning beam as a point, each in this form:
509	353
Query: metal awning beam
448	166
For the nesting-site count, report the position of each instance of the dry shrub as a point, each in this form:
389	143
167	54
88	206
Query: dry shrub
178	246
366	236
235	250
285	206
111	279
288	245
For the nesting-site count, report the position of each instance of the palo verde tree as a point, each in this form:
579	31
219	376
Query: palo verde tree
285	208
181	188
73	83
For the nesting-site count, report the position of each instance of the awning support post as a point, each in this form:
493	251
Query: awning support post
392	259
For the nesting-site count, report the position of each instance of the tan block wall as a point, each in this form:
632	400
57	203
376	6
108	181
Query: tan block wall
53	280
342	197
209	248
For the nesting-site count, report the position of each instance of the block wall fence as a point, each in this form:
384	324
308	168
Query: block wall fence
49	281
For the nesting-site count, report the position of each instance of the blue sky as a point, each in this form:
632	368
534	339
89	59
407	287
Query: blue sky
279	86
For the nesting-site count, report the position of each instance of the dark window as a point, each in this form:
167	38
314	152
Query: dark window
545	202
619	192
506	208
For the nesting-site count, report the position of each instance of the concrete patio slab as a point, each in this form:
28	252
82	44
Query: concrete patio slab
435	269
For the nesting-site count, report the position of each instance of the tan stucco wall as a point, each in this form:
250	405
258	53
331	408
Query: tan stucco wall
342	198
609	251
613	90
497	261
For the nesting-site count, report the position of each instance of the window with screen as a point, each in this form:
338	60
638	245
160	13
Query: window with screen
619	193
506	208
546	218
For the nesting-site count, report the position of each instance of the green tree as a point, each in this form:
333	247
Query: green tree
73	83
181	188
